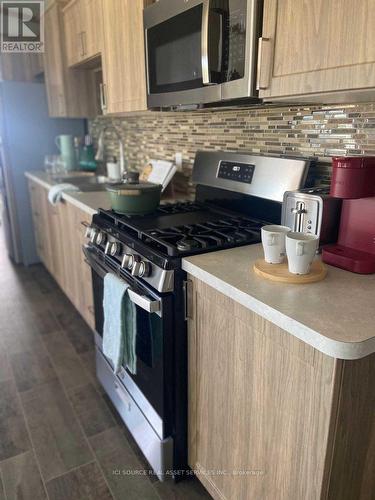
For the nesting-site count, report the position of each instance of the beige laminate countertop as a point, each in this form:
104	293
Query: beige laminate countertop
89	202
336	315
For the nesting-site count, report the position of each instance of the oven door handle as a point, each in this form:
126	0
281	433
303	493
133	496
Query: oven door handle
148	305
151	306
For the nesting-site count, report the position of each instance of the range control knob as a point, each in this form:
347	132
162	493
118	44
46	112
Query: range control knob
145	269
112	248
88	231
127	261
115	249
136	265
93	235
101	238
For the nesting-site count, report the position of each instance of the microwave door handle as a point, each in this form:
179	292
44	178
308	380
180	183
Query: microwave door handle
151	306
205	41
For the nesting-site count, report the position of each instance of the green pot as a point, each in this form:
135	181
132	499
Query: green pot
135	198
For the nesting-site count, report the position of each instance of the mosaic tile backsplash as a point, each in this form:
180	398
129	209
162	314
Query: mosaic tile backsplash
317	131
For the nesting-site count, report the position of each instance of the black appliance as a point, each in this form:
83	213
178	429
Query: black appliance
236	194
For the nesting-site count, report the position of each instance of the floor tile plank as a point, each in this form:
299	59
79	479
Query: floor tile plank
88	361
124	472
84	483
91	410
66	361
2	493
5	368
31	369
55	432
13	434
21	478
188	489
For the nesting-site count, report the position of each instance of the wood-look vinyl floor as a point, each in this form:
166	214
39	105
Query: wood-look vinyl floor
60	437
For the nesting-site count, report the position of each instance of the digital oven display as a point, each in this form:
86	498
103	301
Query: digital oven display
239	172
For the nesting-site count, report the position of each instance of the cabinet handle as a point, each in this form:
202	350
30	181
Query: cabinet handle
82	52
103	96
264	63
188	298
84	43
91	310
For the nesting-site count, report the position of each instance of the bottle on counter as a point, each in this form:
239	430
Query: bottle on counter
87	157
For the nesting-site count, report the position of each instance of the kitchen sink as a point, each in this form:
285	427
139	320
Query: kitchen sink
84	183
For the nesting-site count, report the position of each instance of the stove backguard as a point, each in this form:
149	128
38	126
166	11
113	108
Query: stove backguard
265	177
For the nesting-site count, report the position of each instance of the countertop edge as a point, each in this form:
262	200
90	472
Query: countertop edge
66	196
330	347
36	179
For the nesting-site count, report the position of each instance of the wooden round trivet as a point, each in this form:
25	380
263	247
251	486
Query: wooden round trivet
280	273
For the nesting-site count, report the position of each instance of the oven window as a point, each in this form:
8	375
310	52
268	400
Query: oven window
174	53
153	346
149	349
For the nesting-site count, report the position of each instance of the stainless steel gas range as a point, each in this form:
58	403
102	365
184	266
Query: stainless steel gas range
236	194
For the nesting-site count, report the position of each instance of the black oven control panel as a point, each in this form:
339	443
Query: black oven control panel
235	171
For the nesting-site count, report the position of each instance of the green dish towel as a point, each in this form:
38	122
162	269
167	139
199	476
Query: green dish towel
119	329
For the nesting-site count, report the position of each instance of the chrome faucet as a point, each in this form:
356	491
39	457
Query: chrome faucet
100	153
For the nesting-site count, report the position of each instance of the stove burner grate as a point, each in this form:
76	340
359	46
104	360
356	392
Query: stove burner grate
209	235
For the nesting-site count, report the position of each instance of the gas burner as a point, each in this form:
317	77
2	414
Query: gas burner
188	244
187	228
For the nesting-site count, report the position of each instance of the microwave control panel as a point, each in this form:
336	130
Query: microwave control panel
235	171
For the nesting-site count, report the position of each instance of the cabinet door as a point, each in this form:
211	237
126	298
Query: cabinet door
92	27
86	298
73	29
57	237
316	46
259	404
20	67
54	63
70	91
123	56
36	202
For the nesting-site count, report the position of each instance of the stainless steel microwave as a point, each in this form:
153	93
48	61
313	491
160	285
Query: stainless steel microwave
201	51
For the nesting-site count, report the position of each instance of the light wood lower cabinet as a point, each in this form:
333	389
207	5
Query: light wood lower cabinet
271	417
59	235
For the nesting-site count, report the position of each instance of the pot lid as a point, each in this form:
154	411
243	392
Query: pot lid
143	186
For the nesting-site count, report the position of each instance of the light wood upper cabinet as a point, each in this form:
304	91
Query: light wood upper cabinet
70	91
91	11
83	30
123	56
317	47
54	63
21	67
73	28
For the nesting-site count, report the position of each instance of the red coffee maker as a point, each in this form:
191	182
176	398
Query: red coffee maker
353	180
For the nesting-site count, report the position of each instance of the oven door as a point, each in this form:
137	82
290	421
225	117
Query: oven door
151	386
184	49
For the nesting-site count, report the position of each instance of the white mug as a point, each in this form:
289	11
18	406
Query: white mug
300	250
273	241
